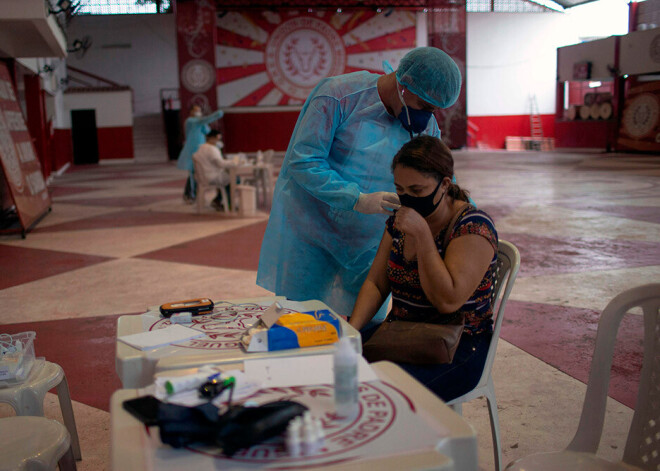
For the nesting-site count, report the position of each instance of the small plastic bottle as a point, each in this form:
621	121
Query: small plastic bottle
293	439
320	435
308	438
346	380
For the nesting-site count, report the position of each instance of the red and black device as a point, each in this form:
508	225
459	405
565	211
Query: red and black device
196	307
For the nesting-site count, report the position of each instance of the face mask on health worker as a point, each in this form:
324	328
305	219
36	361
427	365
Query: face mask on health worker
413	121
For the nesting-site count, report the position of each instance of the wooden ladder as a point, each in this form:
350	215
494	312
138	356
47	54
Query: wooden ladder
535	123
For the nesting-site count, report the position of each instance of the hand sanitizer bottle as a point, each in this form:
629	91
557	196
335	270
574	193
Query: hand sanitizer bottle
346	380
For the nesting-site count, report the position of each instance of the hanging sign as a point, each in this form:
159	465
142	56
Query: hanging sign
21	166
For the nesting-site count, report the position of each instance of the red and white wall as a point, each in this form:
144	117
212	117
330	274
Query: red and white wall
512	57
509	57
114	123
267	60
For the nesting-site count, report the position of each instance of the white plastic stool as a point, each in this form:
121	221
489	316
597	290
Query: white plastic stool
34	444
27	398
247	197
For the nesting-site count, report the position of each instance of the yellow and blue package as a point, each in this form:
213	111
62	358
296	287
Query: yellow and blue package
276	331
303	329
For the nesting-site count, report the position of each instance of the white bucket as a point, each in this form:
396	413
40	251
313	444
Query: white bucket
247	200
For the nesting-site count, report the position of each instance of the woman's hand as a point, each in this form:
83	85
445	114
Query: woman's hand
409	221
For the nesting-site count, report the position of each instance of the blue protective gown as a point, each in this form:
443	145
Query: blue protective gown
195	129
316	246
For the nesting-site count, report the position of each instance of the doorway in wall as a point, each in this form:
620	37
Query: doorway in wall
85	139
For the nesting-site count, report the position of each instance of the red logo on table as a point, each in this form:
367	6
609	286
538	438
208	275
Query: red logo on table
376	415
223	327
302	51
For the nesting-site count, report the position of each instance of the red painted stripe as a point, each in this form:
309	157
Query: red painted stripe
62	148
231	39
115	143
260	21
255	97
585	134
229	74
274	135
88	360
491	131
403	39
358	18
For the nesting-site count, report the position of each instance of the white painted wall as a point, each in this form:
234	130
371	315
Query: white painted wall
513	55
113	109
135	50
509	57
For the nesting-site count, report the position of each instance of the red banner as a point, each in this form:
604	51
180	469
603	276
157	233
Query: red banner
447	32
21	167
276	58
196	39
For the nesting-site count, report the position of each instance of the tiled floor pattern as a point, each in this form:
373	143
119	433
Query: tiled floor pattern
120	239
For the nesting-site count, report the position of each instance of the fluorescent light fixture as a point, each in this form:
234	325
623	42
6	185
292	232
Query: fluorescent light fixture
595	84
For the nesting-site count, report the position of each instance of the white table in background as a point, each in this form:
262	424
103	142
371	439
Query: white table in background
259	172
451	443
136	368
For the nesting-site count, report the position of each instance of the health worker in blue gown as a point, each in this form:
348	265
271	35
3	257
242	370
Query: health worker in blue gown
335	189
196	128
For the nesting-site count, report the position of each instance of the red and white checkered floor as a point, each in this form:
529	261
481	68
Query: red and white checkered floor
119	239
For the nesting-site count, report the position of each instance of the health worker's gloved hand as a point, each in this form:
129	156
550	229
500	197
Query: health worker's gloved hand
380	202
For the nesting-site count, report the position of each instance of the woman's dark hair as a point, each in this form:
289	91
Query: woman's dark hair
430	156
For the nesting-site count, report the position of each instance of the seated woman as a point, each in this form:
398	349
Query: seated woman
429	284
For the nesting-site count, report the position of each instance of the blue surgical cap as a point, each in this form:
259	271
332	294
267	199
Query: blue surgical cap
430	74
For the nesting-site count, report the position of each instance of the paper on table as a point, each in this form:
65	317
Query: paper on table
160	337
300	371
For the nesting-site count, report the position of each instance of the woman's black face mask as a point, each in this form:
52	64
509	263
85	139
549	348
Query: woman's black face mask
422	204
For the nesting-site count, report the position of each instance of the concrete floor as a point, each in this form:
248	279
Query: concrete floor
120	239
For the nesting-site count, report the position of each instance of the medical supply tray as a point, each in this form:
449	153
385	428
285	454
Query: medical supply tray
15	366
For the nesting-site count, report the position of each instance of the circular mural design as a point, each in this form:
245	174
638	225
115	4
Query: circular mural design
198	76
640	117
302	51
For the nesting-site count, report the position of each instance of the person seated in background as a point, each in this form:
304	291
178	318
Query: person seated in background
195	128
212	164
427	282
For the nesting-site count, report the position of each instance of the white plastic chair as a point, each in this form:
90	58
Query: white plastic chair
34	444
508	262
27	397
642	449
203	187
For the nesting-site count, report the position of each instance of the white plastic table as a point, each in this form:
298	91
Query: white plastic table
255	171
136	368
401	425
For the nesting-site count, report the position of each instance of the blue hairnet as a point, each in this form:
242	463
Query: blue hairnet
430	74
